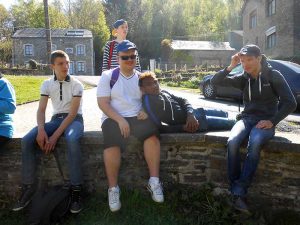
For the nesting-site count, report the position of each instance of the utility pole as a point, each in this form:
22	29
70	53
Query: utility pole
48	31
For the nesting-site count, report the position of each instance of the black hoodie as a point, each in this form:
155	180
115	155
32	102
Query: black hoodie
168	109
261	96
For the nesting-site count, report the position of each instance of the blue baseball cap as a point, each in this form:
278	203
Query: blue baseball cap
125	45
250	50
118	23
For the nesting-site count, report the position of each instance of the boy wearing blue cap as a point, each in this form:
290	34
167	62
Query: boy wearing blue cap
120	31
121	104
7	108
264	89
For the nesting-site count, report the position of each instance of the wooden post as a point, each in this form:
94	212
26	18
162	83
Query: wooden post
48	31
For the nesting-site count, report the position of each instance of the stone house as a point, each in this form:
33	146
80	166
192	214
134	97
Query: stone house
205	52
274	26
30	43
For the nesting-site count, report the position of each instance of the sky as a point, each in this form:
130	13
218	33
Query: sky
8	3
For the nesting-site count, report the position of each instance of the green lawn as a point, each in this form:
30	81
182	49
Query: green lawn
27	87
184	205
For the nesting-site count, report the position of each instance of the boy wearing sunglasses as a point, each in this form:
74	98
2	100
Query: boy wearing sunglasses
122	116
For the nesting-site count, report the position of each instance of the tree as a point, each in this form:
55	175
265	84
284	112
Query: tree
5	34
31	14
5	50
5	25
89	14
166	50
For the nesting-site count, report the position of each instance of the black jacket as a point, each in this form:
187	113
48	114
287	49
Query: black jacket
266	92
168	109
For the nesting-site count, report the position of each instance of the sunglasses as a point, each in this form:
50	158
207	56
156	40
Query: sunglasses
127	57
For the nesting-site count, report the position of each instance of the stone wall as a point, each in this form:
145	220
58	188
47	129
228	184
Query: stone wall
39	51
285	21
211	57
191	159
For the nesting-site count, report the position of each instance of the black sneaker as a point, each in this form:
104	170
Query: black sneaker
76	205
240	204
27	192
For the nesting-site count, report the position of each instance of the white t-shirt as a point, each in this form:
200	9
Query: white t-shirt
126	97
62	92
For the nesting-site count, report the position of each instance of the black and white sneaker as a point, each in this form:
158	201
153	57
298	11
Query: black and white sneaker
27	192
76	205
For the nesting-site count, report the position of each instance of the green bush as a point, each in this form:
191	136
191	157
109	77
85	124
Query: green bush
33	64
192	83
158	72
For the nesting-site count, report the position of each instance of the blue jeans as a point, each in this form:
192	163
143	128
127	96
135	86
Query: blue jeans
211	119
72	134
241	178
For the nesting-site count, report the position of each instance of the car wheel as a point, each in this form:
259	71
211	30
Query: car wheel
209	91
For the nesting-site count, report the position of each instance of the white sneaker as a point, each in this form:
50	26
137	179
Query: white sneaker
156	191
114	199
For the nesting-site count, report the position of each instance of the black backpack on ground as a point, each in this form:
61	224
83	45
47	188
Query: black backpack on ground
50	205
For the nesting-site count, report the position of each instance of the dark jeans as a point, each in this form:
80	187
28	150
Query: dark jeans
72	134
240	178
211	119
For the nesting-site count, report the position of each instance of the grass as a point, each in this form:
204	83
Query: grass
27	88
184	205
192	83
190	90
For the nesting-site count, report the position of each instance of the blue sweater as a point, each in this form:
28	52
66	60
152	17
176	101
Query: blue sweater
7	107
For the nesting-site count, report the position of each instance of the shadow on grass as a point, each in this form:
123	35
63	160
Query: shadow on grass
184	205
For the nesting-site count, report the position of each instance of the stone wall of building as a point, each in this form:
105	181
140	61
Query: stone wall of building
283	19
40	51
211	57
191	159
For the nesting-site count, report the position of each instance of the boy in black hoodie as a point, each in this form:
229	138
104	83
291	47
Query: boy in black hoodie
263	90
176	113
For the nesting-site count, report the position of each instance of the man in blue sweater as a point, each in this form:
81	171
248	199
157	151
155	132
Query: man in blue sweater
264	89
7	108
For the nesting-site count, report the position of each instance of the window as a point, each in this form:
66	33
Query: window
69	50
28	50
271	37
271	7
53	47
80	67
253	19
80	49
76	33
271	40
71	68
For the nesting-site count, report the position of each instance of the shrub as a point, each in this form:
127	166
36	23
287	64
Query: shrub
158	72
33	64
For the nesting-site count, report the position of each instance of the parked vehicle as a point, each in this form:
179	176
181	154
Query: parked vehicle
291	72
